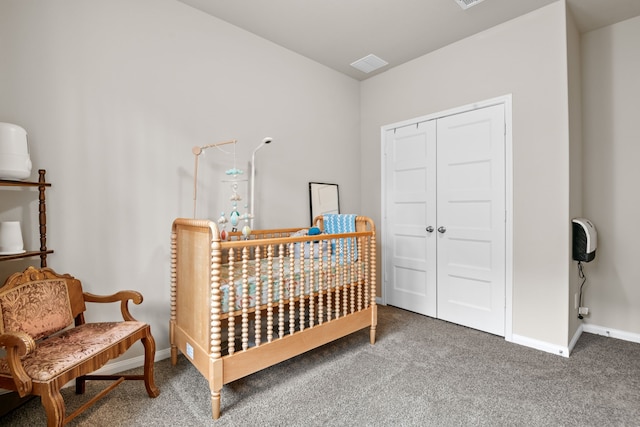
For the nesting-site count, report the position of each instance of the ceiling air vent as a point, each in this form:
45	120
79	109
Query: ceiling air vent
369	63
466	4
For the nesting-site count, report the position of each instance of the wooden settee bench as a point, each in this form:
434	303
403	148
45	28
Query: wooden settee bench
43	353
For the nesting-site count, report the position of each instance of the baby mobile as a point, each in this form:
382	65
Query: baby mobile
234	216
234	174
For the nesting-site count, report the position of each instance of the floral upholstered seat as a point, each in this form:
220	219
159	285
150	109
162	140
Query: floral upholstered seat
59	353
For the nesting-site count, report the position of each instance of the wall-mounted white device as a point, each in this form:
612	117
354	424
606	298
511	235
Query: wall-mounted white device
585	240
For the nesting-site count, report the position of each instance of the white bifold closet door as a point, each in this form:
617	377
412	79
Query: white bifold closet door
445	218
410	190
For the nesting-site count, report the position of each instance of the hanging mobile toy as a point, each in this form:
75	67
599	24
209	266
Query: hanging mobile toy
235	217
246	230
222	221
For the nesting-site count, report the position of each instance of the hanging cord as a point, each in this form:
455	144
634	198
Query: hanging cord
227	152
584	280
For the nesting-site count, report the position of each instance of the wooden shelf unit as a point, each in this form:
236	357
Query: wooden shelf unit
42	217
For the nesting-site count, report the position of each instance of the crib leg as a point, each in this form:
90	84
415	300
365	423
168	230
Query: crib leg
215	404
374	322
174	347
174	355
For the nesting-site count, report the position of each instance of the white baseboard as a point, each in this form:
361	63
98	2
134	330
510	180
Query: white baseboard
575	338
540	345
131	363
611	333
585	327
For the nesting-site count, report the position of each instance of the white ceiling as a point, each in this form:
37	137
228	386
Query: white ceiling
338	32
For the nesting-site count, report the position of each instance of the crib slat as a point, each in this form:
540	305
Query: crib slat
359	274
339	255
352	276
300	260
231	306
316	276
330	280
371	275
292	288
245	298
321	288
258	298
281	280
365	270
303	289
270	293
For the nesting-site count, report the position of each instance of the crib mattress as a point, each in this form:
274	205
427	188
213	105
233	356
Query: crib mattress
307	275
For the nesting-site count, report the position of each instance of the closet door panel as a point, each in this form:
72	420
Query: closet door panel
471	212
410	262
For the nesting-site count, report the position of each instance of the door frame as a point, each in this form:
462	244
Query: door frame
506	101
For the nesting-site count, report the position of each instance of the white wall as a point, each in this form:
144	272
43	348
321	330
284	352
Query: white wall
575	161
526	57
611	123
114	94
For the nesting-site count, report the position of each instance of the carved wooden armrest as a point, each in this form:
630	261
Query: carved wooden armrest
17	345
122	296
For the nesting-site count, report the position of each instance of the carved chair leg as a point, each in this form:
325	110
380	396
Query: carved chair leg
149	355
80	385
54	407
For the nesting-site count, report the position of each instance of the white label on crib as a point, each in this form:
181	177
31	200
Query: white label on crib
189	350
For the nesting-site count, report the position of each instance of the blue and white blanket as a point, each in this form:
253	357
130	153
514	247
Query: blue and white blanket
341	223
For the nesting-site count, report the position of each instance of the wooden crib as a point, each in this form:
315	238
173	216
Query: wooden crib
242	305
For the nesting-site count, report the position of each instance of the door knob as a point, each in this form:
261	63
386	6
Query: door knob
442	229
429	229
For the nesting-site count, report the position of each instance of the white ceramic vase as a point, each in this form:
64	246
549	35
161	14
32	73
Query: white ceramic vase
11	238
